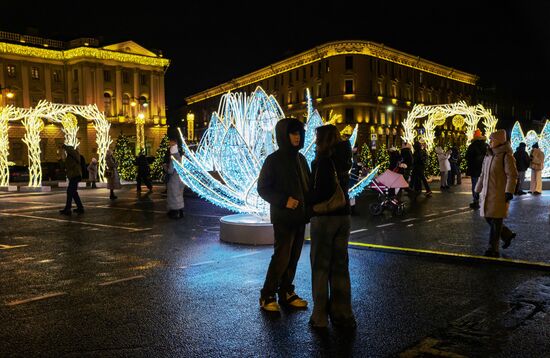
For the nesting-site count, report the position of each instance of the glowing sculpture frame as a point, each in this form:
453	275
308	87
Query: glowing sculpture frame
531	137
241	134
7	114
32	120
473	114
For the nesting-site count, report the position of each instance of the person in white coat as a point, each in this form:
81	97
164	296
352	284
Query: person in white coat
495	187
175	186
537	165
444	165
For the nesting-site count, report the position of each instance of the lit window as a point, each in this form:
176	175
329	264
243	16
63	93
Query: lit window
11	70
107	103
56	76
35	73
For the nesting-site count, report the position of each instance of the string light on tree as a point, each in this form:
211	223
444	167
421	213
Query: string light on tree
157	168
125	158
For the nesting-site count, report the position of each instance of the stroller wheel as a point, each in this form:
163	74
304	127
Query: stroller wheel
399	210
376	208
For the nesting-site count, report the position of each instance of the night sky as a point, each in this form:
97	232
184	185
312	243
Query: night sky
507	46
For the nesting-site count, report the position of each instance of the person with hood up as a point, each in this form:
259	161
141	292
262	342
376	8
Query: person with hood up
444	165
331	286
111	172
284	183
474	160
495	186
522	164
537	165
174	187
92	172
74	173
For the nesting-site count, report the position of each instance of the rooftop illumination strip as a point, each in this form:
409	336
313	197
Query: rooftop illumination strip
81	52
337	48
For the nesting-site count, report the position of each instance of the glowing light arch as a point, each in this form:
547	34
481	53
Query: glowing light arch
33	121
7	114
437	115
531	137
241	134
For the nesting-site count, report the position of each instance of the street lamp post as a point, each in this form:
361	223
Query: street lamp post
139	119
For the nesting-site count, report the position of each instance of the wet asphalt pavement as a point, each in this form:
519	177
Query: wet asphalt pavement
124	280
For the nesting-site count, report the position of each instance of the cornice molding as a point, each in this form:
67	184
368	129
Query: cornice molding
331	49
81	53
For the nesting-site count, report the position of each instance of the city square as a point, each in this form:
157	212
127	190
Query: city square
125	280
359	184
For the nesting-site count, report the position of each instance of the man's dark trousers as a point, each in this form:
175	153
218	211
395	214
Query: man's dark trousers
289	240
72	193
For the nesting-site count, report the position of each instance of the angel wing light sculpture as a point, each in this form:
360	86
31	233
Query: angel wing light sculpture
224	168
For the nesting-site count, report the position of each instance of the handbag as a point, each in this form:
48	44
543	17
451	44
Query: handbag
335	202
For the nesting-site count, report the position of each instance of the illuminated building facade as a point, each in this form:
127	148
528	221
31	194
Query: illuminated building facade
352	82
124	80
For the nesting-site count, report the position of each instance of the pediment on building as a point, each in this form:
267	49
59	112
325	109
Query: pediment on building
130	47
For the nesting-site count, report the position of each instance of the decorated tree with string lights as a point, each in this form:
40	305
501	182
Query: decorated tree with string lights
124	155
157	169
365	156
382	158
433	164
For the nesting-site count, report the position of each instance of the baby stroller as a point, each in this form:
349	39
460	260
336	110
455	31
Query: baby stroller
387	199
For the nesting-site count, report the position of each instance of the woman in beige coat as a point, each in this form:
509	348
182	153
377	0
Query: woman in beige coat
495	187
537	165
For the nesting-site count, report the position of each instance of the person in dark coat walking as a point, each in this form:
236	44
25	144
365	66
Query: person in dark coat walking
74	173
143	172
420	159
475	154
284	184
522	164
331	286
407	156
455	176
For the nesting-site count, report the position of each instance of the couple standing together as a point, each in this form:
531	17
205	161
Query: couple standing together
292	190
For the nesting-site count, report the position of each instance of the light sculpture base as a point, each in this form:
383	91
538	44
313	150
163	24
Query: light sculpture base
246	229
8	188
43	188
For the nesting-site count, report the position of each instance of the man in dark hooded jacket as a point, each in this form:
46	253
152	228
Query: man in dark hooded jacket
284	183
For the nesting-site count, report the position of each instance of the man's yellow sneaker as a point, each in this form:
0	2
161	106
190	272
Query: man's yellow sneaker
269	304
293	300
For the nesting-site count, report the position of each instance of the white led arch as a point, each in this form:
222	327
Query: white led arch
33	121
436	116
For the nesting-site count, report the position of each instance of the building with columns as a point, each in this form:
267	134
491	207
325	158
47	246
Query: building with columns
352	82
125	81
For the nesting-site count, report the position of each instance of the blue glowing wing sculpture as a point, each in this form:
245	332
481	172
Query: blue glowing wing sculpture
225	166
543	139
